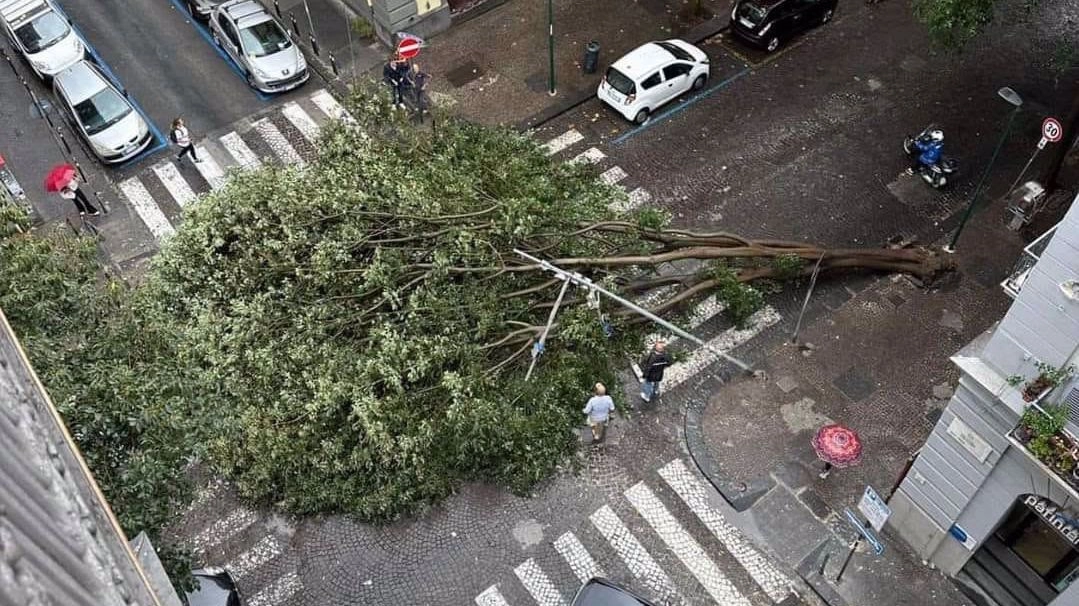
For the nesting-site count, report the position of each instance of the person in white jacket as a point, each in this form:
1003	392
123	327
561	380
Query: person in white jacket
182	138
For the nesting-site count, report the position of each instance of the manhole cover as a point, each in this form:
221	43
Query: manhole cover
856	384
464	73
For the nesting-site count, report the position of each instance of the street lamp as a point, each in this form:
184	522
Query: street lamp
1012	97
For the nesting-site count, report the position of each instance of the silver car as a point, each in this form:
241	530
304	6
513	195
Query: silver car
42	34
101	113
260	46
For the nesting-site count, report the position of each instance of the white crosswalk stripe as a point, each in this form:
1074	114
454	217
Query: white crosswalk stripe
239	151
591	155
146	208
613	175
688	550
209	168
277	592
329	106
174	182
636	198
637	559
491	597
693	494
538	584
578	558
706	355
247	562
562	141
277	142
223	529
299	118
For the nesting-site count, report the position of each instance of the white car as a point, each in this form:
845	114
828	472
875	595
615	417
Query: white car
101	113
652	74
42	34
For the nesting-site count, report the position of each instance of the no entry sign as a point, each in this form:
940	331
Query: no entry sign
408	48
1052	130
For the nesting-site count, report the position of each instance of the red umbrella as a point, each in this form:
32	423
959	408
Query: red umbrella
59	177
838	446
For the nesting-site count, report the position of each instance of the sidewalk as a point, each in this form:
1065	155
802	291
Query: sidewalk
878	363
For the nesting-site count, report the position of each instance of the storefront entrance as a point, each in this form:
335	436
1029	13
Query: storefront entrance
1031	557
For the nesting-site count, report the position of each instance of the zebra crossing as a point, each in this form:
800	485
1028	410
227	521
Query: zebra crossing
640	553
566	143
160	194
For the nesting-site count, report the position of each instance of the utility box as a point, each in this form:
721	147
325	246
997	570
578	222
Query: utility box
1023	202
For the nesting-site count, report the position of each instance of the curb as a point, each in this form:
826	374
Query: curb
695	35
483	8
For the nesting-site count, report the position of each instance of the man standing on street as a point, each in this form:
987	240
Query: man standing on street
652	368
393	74
599	409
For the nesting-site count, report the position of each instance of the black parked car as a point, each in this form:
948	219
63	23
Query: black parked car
601	592
216	588
768	24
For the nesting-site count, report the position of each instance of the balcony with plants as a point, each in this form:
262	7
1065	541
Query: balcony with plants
1042	430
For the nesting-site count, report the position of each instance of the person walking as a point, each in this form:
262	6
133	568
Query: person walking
393	74
599	409
72	192
182	138
652	367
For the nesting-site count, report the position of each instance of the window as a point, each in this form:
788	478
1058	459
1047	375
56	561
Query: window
651	81
1040	546
620	82
263	39
41	33
102	111
676	71
678	52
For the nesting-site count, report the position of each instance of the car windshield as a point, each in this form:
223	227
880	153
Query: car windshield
263	39
677	51
102	111
598	594
41	33
620	82
753	13
211	591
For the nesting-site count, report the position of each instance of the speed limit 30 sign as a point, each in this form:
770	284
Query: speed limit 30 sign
1051	132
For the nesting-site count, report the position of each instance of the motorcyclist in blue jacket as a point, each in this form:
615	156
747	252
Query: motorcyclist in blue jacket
931	147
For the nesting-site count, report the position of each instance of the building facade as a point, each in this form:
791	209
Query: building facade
418	17
59	541
987	501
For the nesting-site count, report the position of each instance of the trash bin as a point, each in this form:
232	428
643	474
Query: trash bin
591	57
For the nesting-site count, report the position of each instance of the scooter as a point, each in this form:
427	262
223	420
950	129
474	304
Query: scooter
936	175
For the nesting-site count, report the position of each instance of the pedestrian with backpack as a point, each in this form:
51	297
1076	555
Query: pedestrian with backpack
652	367
180	137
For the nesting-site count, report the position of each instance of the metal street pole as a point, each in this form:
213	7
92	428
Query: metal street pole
550	48
580	280
538	348
1012	97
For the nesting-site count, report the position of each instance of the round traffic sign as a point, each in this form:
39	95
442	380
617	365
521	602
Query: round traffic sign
1052	130
408	48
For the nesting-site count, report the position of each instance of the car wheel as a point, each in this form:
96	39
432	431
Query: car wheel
773	44
826	17
642	116
698	84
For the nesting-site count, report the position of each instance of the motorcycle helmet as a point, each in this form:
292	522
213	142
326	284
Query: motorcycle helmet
936	135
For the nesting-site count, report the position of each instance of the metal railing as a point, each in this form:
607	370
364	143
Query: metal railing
1026	262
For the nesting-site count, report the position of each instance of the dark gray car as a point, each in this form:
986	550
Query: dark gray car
601	592
216	588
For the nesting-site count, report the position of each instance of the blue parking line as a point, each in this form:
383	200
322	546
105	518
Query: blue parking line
217	49
679	109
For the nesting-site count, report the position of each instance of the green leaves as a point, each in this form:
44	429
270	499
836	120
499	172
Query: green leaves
953	23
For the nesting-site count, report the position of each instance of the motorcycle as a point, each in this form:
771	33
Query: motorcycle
935	174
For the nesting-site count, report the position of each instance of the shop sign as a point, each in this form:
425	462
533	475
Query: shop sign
1054	516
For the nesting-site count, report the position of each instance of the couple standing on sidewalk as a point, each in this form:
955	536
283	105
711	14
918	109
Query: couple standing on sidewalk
600	405
401	75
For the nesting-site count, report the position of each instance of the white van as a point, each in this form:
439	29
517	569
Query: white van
42	34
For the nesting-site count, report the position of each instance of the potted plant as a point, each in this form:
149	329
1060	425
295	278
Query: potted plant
1048	377
1040	432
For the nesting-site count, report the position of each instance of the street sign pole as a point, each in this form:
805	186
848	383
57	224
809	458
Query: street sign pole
1052	132
550	47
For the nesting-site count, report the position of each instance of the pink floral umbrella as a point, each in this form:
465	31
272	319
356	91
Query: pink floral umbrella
837	446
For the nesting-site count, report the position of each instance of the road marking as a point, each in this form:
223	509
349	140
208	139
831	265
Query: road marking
223	529
174	182
247	562
204	494
578	558
146	208
277	142
682	107
684	546
613	175
562	141
708	308
538	584
590	155
693	494
329	106
705	355
277	592
299	118
639	562
491	597
636	199
240	152
209	169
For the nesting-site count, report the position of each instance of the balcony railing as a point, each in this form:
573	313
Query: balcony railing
1014	283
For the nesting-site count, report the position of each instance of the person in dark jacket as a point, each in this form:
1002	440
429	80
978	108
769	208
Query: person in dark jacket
393	74
419	81
652	368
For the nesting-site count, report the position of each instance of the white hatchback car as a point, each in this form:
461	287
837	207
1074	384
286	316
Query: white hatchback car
652	74
42	34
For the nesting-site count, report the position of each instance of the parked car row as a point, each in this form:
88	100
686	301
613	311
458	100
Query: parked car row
646	78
